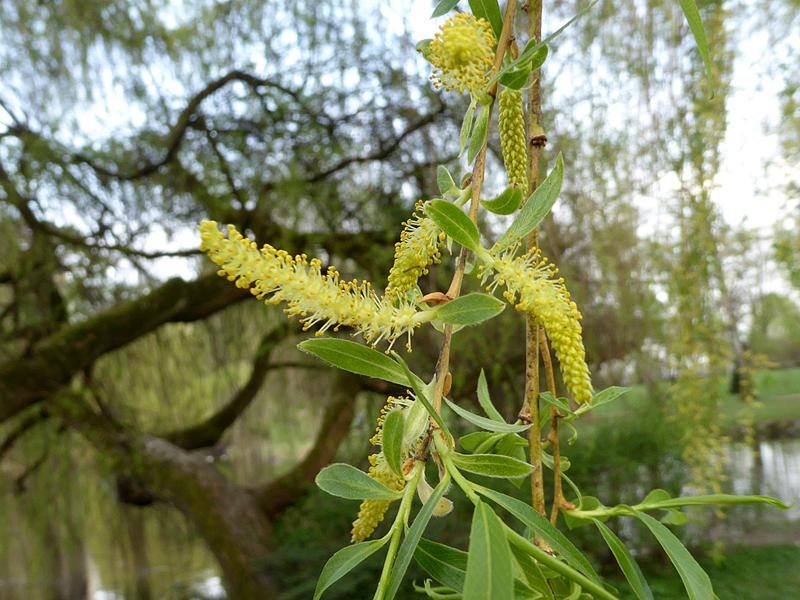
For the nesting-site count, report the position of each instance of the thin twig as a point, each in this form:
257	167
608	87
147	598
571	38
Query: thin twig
532	329
558	494
443	362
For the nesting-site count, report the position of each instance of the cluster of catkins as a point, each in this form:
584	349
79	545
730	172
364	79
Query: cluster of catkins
462	54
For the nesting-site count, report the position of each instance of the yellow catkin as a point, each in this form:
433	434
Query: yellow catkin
371	512
512	137
319	299
462	52
531	284
419	247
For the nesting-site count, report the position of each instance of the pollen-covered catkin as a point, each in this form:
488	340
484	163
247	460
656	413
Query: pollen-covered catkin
512	137
317	298
531	284
371	512
419	247
462	53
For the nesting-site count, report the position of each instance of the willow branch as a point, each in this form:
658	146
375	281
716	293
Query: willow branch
478	172
536	141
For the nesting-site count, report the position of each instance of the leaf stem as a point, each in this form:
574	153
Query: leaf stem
556	565
397	530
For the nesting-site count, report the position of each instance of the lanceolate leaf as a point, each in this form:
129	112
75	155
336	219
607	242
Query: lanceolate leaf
446	565
345	481
466	126
506	203
444	181
696	25
392	440
483	422
473	440
485	400
536	206
444	6
489	572
419	393
626	562
542	527
356	358
470	309
492	465
413	535
478	134
457	225
344	561
517	78
695	580
489	10
709	500
532	47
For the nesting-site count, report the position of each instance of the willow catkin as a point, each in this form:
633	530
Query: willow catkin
512	137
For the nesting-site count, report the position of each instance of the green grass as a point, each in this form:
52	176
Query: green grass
778	391
754	573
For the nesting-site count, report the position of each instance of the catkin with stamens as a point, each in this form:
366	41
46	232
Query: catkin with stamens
317	298
462	53
512	137
371	512
531	285
419	247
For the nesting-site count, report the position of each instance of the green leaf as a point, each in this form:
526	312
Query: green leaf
544	529
489	10
344	561
445	564
711	499
392	440
533	47
517	78
424	48
466	126
506	203
356	358
489	572
345	481
470	309
413	535
485	401
471	441
694	578
532	573
492	465
626	562
696	25
444	181
478	134
536	206
656	495
444	6
483	422
452	220
560	403
419	393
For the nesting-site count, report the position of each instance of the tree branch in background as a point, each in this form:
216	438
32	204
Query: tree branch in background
282	492
207	433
